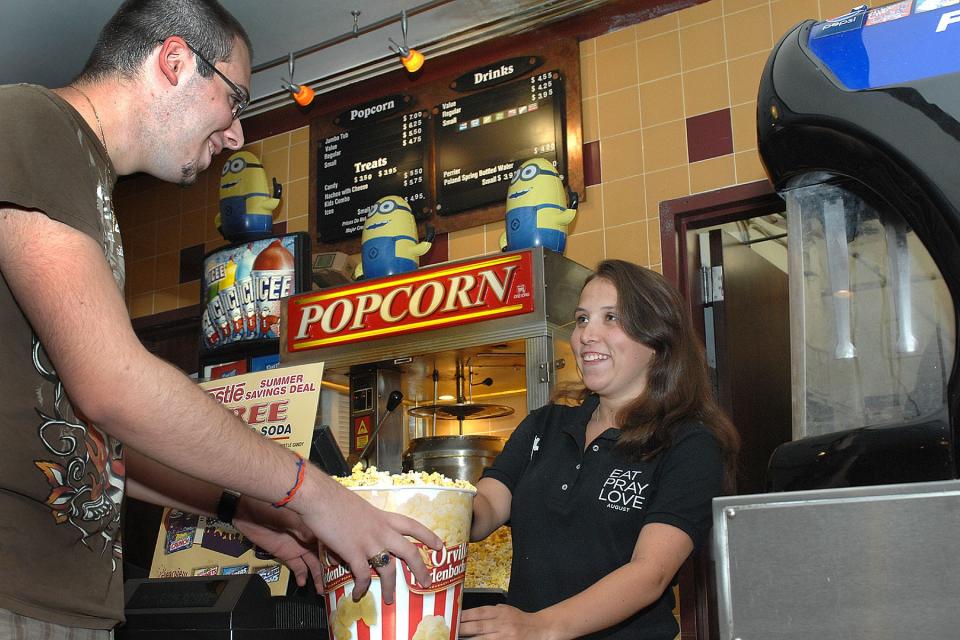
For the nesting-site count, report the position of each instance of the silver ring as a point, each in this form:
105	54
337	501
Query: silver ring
380	560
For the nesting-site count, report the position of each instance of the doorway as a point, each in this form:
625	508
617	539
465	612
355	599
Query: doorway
727	253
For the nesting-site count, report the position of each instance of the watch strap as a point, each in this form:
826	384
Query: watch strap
227	506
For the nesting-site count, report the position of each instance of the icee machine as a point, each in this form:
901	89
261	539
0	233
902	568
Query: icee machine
859	129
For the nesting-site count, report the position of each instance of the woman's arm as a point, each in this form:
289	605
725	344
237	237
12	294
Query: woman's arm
491	508
657	556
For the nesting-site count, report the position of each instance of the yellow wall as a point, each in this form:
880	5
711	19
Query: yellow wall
640	84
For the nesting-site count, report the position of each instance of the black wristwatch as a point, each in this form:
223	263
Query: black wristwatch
227	507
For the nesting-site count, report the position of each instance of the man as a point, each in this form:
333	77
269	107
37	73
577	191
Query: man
160	94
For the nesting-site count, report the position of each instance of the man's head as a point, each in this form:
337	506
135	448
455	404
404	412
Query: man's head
186	66
134	31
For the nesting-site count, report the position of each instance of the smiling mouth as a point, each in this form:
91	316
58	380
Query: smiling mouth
229	185
519	194
593	357
377	225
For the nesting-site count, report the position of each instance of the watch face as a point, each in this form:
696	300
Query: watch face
227	507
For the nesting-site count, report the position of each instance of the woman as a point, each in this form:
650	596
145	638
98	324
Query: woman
607	499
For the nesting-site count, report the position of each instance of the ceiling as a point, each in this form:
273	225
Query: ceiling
47	41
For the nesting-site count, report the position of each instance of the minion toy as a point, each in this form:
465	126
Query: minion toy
247	199
389	242
537	212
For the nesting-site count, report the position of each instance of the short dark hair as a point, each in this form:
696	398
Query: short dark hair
678	388
139	25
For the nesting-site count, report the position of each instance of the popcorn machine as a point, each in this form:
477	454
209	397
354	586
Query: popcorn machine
472	345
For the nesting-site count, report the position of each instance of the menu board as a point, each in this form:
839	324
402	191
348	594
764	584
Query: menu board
483	138
358	167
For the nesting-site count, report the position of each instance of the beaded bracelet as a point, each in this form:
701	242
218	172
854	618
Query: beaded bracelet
301	472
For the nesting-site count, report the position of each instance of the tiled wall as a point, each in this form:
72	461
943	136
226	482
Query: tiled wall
668	110
167	229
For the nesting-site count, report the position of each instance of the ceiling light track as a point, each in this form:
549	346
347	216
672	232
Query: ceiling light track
535	17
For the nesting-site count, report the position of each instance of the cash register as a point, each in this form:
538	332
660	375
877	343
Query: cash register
236	607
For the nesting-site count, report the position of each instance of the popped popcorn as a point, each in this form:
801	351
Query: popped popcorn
432	628
348	612
371	477
488	561
441	511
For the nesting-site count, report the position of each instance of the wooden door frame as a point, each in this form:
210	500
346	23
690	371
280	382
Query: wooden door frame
678	217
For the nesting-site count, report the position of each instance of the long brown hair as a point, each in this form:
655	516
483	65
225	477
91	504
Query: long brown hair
678	386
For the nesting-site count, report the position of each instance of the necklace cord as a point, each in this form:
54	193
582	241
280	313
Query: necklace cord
103	138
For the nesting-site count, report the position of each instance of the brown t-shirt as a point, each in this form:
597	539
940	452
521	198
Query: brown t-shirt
61	478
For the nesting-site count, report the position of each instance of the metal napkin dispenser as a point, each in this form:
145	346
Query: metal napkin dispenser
879	562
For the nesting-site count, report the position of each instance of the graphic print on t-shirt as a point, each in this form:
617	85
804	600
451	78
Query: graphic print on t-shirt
86	474
623	490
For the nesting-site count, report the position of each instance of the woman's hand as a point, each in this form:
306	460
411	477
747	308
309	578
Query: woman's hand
504	622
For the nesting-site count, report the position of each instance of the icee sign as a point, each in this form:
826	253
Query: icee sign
889	45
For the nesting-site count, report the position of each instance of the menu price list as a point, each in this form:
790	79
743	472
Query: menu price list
482	139
358	167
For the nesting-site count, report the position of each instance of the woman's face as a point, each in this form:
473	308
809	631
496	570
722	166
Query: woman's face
612	364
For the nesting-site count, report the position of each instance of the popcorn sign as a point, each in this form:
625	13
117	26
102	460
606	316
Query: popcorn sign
429	298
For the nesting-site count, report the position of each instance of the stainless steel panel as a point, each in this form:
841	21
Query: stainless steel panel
877	563
540	375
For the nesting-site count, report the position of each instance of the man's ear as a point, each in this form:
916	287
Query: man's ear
173	58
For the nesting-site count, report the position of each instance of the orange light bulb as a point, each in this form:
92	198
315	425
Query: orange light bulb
412	61
303	96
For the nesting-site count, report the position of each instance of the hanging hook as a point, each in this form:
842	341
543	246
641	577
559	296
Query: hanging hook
356	20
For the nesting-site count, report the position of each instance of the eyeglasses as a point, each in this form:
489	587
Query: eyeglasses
530	172
241	99
388	206
237	165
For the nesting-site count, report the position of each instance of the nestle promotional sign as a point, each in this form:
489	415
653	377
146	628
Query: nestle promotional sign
422	300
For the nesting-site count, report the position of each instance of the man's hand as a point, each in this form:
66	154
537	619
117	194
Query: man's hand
282	534
356	531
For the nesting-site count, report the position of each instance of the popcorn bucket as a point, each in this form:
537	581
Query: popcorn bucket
418	613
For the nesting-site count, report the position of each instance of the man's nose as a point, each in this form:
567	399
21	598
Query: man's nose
233	135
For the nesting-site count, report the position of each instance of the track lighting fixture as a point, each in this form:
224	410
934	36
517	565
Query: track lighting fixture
411	59
301	93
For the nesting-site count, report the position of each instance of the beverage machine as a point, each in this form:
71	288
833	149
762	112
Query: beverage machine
858	124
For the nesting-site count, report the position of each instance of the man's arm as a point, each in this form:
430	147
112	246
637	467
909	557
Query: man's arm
61	281
280	532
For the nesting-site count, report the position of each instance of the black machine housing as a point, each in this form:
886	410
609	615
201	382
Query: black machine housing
900	147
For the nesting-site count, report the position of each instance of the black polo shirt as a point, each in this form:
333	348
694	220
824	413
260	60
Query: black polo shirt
576	514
